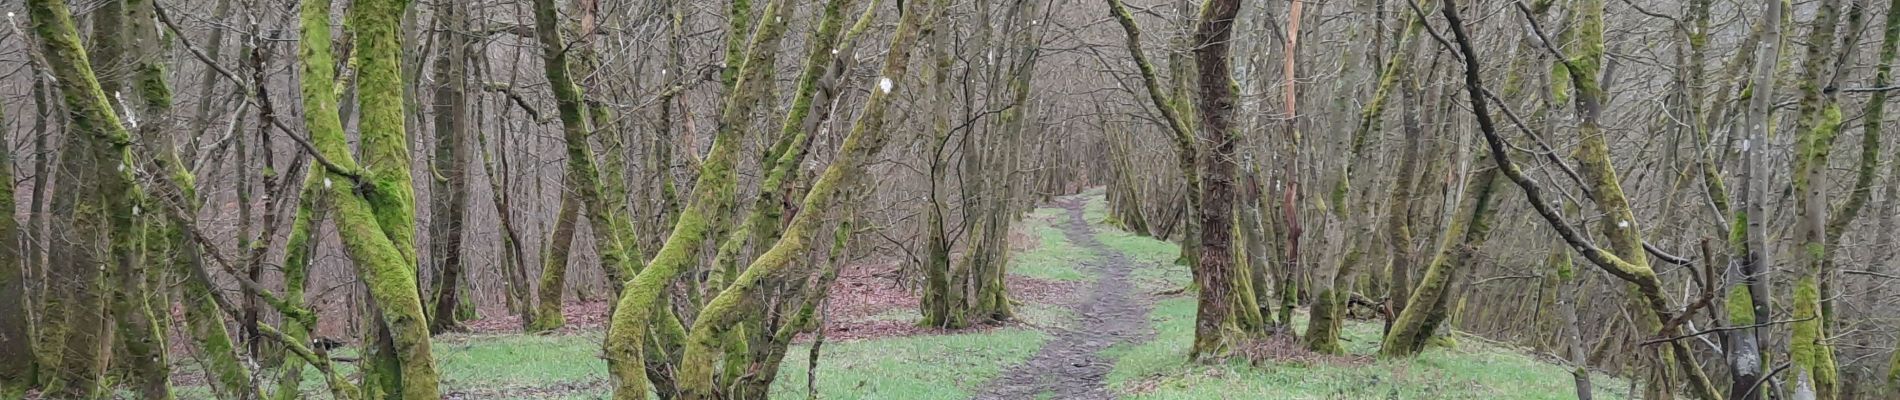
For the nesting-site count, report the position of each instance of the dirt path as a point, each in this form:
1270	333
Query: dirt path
1070	365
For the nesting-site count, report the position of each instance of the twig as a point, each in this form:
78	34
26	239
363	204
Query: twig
165	18
509	91
1720	329
1542	144
1871	89
1665	256
1764	379
1499	278
1870	273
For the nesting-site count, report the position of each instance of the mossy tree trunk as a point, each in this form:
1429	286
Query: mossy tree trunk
16	343
140	301
1570	337
601	183
713	196
1889	217
554	259
939	294
1746	300
47	333
1174	110
371	206
1427	306
93	210
582	180
867	136
299	251
1819	124
1626	259
1398	222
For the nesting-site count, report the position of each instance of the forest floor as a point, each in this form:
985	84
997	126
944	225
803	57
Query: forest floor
1101	314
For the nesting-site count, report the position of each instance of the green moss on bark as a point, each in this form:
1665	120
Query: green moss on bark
866	138
355	194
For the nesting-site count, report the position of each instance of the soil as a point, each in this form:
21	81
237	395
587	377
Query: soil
1070	365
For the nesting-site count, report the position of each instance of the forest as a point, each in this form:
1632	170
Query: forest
949	199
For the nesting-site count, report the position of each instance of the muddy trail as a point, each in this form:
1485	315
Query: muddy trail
1070	365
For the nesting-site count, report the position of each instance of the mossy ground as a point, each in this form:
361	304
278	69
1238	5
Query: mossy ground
957	366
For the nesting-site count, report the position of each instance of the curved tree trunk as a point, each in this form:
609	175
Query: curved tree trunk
372	207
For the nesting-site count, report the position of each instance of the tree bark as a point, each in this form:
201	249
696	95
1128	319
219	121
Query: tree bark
866	138
1819	124
1215	106
89	210
371	209
449	195
713	198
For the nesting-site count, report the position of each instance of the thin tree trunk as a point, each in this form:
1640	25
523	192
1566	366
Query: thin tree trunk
1747	298
554	260
449	195
16	343
1819	124
1571	338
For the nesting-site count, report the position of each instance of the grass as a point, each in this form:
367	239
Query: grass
1155	270
915	367
1155	369
1053	258
1095	207
507	363
569	366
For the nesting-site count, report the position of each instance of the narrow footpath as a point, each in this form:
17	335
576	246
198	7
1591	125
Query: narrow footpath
1070	365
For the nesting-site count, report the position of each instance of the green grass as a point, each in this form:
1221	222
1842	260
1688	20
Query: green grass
516	362
1155	270
1044	315
915	367
1095	206
569	366
1053	258
1156	369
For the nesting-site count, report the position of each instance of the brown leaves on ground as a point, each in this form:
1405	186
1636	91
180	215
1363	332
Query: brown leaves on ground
583	315
869	301
1286	349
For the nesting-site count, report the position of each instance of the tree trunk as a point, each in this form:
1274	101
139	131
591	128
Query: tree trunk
866	138
1426	308
713	198
372	207
91	211
449	195
1819	123
16	341
1213	273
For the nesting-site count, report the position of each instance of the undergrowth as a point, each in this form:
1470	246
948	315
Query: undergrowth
958	366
